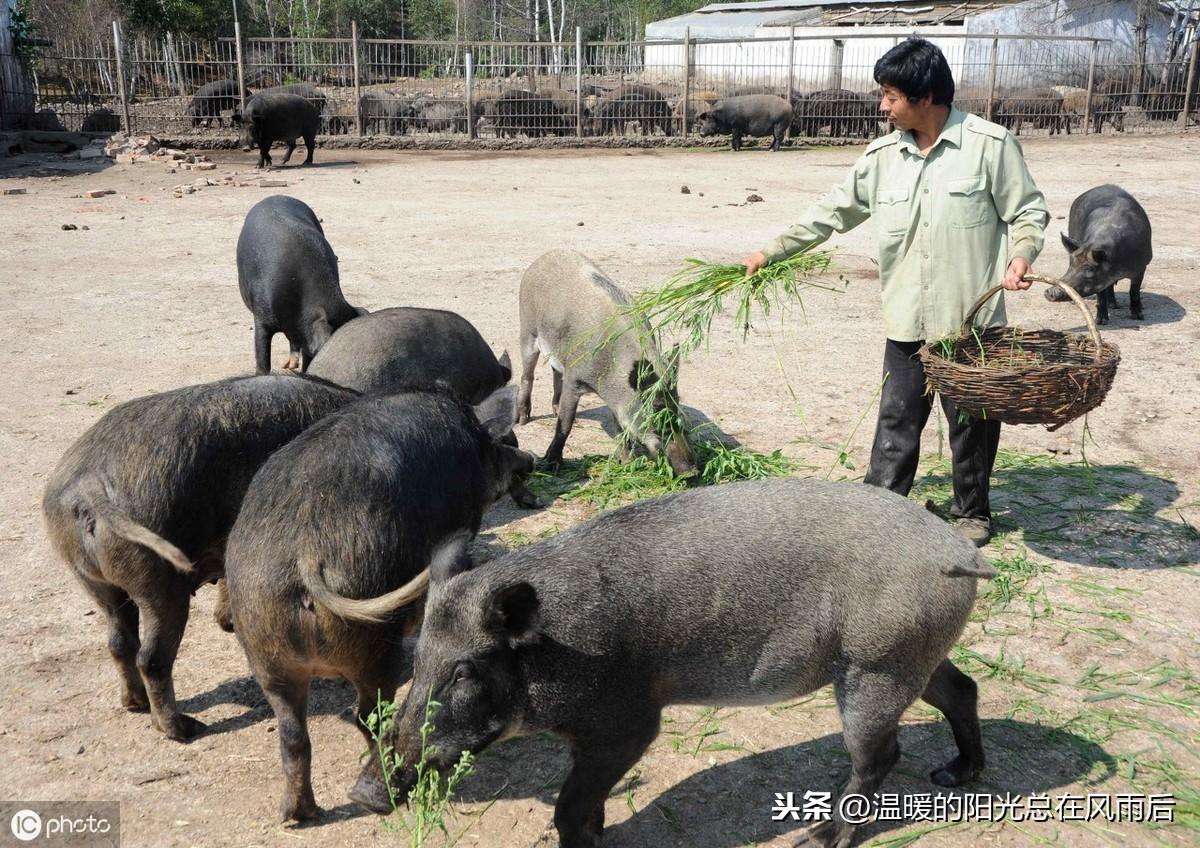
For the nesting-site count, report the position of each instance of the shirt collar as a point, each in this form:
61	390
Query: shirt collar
951	133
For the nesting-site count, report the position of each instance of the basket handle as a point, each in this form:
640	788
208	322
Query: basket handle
1037	278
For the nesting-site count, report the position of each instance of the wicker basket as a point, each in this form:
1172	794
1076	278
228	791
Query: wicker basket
1023	376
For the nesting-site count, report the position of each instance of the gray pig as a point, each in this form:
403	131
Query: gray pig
405	347
750	114
350	510
1108	239
288	277
566	301
747	593
278	117
140	507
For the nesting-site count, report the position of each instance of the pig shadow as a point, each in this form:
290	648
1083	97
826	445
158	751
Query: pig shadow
730	804
326	697
1158	309
1118	516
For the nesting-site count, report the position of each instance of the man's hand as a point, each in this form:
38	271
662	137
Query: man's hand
754	261
1017	269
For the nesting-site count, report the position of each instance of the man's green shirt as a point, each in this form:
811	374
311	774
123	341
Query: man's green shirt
949	223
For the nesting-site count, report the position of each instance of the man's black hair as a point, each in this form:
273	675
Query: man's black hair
918	69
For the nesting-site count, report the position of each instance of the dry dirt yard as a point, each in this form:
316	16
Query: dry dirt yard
1085	649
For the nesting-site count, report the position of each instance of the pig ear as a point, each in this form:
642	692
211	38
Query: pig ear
505	365
514	613
1099	257
498	411
451	557
1070	244
642	375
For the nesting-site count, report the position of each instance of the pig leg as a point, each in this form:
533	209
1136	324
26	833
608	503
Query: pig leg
871	704
529	361
599	762
310	143
221	613
956	695
291	147
294	357
289	700
568	404
262	347
1135	296
558	381
123	644
165	619
371	788
1102	306
264	154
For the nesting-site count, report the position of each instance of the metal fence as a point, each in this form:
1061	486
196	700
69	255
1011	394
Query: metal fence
1031	84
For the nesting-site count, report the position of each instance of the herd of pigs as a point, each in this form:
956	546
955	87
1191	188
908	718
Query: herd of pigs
291	112
334	506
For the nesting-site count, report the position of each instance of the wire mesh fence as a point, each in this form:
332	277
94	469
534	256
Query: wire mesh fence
1045	85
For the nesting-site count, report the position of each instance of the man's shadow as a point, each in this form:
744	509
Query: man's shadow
1110	515
731	804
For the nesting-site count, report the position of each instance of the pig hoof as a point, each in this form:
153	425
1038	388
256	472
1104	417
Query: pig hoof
224	620
371	794
184	729
1136	312
291	364
135	702
299	809
827	834
955	773
523	418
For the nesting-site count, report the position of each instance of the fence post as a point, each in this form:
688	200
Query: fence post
578	82
1091	85
687	78
991	96
839	57
237	45
354	56
121	79
791	87
469	62
1191	77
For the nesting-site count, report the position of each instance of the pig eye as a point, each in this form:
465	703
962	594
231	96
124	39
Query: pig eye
462	674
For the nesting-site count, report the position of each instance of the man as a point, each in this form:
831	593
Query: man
956	210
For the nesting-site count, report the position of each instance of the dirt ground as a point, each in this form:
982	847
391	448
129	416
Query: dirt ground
1085	649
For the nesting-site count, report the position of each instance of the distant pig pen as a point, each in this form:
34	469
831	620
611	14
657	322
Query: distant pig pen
589	91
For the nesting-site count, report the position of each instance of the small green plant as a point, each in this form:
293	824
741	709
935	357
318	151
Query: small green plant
429	798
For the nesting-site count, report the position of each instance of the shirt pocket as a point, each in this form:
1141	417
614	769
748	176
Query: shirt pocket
969	203
891	209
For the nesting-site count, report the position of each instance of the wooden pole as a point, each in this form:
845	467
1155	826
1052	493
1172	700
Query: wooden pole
791	86
578	82
468	60
991	96
237	45
1091	86
1191	78
687	78
354	56
121	79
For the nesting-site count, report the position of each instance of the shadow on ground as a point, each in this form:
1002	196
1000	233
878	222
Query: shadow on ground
1120	516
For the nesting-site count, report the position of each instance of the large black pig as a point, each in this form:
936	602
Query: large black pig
1108	239
270	117
288	277
747	593
211	98
748	114
352	510
141	504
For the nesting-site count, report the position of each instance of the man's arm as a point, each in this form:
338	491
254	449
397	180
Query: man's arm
1022	206
845	207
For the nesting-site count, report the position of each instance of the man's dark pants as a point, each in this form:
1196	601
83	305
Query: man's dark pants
903	410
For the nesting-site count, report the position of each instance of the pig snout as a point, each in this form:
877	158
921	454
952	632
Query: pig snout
1056	294
679	455
371	793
